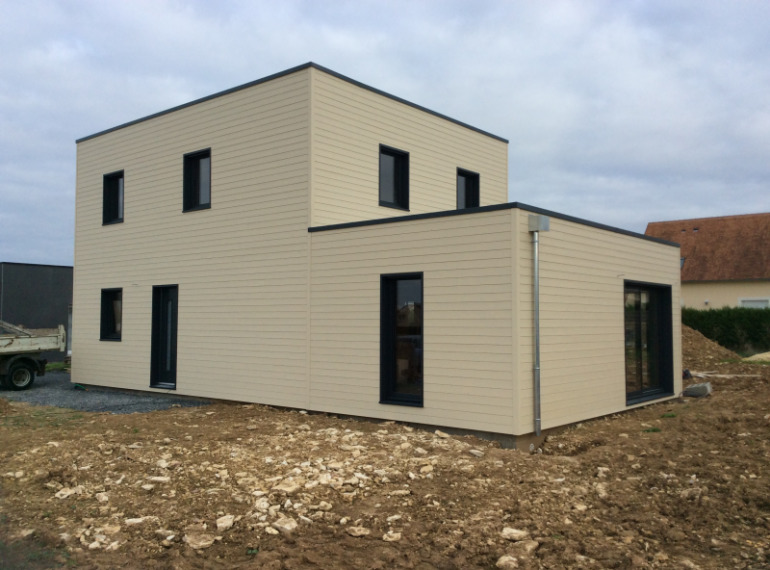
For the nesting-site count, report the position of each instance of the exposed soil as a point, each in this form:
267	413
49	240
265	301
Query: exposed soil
681	484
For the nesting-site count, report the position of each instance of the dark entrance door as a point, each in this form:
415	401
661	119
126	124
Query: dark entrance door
164	328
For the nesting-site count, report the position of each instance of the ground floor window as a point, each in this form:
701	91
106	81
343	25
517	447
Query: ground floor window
401	339
111	314
164	334
754	303
649	341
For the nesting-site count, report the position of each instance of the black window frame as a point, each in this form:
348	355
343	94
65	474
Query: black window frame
400	178
388	342
113	193
110	328
660	341
192	200
472	185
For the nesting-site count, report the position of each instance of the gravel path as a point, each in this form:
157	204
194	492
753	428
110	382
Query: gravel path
55	389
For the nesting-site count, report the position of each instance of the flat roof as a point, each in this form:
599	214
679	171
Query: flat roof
493	208
283	74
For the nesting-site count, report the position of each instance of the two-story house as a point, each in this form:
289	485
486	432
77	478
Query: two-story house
308	241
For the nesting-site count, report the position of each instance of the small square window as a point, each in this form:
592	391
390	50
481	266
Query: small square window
112	198
112	314
467	189
394	178
197	180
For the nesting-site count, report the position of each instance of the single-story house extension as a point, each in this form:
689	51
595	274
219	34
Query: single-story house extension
725	261
36	296
311	242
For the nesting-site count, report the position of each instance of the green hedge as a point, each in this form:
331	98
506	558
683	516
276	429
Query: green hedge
745	331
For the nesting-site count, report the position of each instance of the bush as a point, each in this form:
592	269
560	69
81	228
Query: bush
745	331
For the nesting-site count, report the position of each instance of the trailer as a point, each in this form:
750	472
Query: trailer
20	351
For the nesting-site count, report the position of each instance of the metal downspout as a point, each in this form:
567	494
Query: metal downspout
537	223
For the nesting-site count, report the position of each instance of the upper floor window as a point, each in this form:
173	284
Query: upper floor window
467	189
197	180
394	178
112	198
112	314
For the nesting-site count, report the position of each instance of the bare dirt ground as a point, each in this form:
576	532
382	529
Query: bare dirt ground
681	484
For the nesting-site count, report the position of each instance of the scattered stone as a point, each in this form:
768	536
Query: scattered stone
357	531
159	479
288	487
441	434
507	562
514	534
390	536
199	541
68	492
525	547
102	497
476	452
426	469
225	522
285	525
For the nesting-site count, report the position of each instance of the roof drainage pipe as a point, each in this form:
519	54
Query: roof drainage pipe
537	224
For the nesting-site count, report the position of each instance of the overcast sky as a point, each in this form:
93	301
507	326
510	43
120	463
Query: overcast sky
620	112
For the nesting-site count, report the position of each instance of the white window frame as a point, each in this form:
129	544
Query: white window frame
766	300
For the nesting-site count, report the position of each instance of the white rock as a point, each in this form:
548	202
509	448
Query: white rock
514	534
441	434
507	562
324	506
476	452
526	547
391	536
102	497
95	545
199	541
288	487
159	479
393	518
270	530
286	525
225	522
136	521
357	531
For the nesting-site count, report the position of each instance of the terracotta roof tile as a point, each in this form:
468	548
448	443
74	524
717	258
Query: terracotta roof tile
720	249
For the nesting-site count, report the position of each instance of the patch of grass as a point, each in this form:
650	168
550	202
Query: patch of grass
40	419
652	430
252	551
668	415
56	367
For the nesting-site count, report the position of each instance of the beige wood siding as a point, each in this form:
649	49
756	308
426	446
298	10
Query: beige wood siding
466	265
722	293
241	266
582	274
349	124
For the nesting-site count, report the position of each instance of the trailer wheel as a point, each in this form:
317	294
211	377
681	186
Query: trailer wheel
20	376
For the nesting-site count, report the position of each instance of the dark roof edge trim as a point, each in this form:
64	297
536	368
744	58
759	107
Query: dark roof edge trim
282	74
34	264
494	208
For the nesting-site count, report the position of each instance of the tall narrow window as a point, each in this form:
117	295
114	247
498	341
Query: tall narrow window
648	338
467	189
112	198
401	339
197	180
112	314
394	178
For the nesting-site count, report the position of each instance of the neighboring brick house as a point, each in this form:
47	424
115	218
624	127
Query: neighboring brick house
725	261
308	241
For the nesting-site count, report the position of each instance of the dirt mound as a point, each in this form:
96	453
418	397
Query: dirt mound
701	353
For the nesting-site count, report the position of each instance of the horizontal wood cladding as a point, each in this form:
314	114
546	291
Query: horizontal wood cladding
582	273
241	266
467	295
349	124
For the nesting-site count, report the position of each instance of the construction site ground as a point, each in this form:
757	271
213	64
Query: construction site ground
678	484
